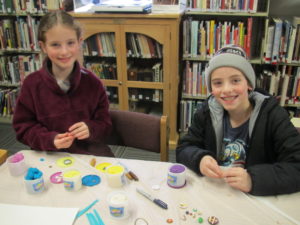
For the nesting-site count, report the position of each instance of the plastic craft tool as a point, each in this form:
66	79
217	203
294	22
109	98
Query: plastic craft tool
94	219
158	202
81	212
131	175
99	219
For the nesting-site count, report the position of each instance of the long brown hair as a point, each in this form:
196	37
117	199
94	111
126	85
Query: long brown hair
57	17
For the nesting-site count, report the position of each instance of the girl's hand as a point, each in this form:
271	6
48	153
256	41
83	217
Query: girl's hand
80	130
64	140
238	178
209	167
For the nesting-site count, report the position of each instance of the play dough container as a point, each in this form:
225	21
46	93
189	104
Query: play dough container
34	181
35	186
115	176
72	180
102	166
118	205
176	176
16	164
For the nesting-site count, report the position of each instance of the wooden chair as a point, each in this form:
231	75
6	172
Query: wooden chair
139	130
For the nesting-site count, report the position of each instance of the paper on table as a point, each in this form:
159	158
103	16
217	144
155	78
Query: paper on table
36	215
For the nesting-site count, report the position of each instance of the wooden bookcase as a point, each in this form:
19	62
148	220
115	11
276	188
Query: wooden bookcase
161	27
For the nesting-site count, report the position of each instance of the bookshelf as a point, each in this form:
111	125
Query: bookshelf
19	49
133	85
205	28
275	60
282	62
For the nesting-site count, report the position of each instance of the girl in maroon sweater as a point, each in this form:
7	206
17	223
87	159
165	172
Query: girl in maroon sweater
62	106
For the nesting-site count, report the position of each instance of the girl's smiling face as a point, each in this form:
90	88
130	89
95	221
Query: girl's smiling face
62	47
230	88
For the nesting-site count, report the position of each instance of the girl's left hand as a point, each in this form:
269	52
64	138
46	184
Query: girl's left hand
80	130
238	178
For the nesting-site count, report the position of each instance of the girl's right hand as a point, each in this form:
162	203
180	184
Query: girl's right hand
64	140
209	167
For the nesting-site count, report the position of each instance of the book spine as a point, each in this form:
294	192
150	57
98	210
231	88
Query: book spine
269	44
249	37
295	57
194	38
276	42
284	89
212	38
291	45
194	79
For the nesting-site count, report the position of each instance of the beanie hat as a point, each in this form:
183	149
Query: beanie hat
230	56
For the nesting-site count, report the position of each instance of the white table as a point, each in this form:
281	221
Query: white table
209	196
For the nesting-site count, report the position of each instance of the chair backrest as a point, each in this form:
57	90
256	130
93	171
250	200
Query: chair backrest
139	130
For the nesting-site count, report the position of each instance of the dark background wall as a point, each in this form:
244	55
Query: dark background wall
284	8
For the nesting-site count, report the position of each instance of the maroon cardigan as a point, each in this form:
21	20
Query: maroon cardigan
43	110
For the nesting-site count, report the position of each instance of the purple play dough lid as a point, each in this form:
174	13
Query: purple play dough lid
177	169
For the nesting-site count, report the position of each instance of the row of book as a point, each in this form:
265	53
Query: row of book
193	84
152	74
136	94
112	94
8	101
140	100
284	83
224	5
187	110
13	69
189	107
101	44
144	107
19	34
137	45
202	38
148	95
141	46
103	70
108	71
29	6
282	41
